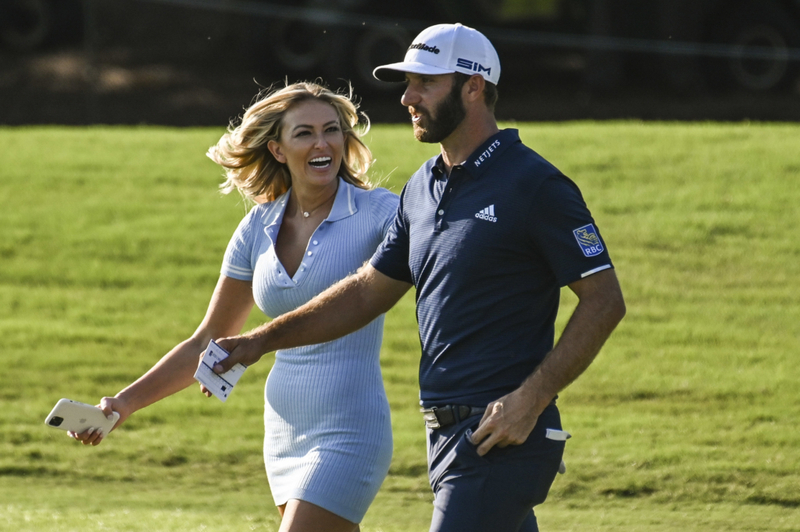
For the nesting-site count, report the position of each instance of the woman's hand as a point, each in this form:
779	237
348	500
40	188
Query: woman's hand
108	405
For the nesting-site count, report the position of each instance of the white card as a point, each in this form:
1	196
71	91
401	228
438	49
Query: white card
219	385
557	435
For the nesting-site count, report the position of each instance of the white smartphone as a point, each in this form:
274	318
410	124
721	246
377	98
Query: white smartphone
79	417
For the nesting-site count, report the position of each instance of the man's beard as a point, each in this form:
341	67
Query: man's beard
444	119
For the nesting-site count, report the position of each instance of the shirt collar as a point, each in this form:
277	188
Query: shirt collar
344	205
480	160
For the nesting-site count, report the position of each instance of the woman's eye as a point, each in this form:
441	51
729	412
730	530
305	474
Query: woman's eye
333	129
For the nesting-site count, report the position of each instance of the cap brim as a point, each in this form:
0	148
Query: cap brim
397	71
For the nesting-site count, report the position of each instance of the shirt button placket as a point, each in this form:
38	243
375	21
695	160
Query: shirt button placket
443	203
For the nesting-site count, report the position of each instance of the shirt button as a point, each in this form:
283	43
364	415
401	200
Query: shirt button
310	253
315	242
441	212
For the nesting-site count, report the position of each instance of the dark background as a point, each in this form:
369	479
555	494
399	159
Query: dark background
200	62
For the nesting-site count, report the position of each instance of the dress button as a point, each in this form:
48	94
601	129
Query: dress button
441	212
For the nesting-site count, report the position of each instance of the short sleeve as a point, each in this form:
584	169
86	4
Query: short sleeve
391	257
383	209
238	260
564	231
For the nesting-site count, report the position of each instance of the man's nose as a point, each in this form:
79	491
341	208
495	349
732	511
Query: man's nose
410	96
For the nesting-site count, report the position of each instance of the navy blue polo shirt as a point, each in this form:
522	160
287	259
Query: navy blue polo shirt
488	249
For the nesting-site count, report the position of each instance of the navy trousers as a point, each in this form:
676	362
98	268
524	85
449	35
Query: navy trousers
495	492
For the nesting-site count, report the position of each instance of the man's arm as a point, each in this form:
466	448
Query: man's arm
343	308
510	419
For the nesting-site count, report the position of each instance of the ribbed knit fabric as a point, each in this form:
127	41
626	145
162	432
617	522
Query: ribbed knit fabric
328	434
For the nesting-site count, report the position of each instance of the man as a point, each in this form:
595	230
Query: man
488	232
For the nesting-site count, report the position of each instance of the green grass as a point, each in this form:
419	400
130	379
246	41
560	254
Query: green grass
110	245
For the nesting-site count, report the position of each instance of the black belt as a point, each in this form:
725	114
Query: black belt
439	417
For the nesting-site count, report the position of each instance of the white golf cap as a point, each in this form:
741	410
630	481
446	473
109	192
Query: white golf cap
444	49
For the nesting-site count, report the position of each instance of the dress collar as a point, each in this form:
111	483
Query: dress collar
344	205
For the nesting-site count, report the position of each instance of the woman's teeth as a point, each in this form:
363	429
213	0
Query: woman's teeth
320	161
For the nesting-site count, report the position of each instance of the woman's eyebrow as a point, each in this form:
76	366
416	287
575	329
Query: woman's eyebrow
298	126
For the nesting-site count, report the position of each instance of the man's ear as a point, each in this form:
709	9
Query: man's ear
276	151
474	87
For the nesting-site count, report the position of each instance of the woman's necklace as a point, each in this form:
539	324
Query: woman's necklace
307	213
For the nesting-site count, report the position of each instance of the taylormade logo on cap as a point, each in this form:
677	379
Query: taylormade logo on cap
444	49
424	47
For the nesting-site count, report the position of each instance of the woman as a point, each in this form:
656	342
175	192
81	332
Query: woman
328	436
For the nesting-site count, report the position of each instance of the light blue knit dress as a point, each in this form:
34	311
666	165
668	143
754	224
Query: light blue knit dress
328	435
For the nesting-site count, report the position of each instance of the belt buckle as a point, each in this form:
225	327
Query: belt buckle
431	420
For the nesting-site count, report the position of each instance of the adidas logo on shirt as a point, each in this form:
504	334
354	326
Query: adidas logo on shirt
487	214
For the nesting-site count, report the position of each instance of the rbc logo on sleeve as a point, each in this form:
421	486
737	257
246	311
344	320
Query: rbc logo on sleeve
588	240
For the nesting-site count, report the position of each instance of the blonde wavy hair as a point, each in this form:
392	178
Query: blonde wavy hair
249	166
